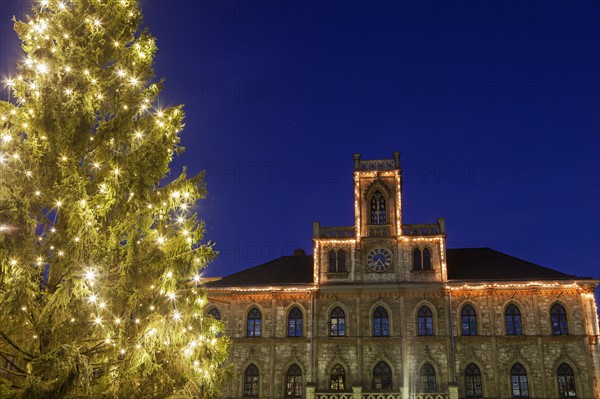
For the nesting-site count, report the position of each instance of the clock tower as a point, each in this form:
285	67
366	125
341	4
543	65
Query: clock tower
379	248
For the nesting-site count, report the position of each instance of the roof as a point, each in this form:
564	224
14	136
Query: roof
286	270
463	264
489	264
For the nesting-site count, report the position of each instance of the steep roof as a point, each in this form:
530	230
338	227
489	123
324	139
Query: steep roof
489	264
286	270
463	264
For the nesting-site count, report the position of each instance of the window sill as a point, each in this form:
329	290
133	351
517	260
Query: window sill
337	274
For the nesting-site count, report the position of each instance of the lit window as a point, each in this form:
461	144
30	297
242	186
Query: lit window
468	318
295	323
254	323
558	317
337	323
424	321
380	322
518	377
512	315
337	378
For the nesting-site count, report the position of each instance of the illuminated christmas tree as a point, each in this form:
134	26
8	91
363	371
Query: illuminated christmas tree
100	295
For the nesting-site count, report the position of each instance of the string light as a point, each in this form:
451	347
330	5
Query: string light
42	75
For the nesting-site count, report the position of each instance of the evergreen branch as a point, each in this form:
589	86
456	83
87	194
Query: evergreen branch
12	372
3	353
12	364
11	343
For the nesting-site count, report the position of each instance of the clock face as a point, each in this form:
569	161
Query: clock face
379	260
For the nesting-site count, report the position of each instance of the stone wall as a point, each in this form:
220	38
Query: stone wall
405	352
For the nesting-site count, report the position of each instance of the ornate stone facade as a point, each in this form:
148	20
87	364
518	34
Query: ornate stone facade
383	310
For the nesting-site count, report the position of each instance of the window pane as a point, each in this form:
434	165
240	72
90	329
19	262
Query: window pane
341	261
426	259
293	382
251	381
382	376
417	259
566	381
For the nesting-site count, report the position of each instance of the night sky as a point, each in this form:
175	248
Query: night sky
494	107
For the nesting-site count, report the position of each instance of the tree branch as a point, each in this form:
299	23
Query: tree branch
24	374
11	343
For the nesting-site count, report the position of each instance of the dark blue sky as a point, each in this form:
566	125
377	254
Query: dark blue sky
493	105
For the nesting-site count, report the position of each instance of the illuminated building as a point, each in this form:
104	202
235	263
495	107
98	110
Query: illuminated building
383	310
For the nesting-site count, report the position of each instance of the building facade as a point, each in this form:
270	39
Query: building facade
382	310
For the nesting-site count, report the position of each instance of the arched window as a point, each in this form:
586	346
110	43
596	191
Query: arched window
428	378
424	321
332	262
382	376
417	264
295	322
337	322
341	267
337	378
518	378
380	322
512	315
293	382
378	212
426	259
558	317
251	381
468	318
254	323
566	381
473	381
214	312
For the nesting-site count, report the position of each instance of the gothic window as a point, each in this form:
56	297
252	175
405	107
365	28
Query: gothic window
337	322
332	261
468	318
558	317
428	378
251	381
341	261
337	378
417	264
214	312
518	378
566	381
380	322
378	211
424	321
293	382
254	323
382	376
295	322
512	315
426	259
473	381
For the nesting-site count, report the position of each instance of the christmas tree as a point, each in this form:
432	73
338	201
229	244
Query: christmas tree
100	295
